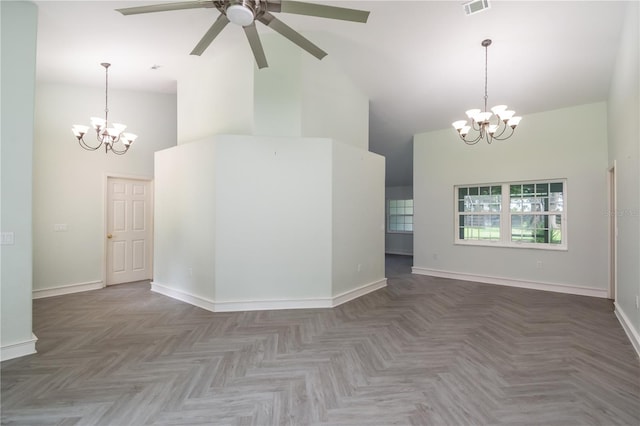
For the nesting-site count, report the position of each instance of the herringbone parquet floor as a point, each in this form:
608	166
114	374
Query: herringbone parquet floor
423	351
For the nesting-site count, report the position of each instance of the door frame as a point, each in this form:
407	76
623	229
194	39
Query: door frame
105	218
612	290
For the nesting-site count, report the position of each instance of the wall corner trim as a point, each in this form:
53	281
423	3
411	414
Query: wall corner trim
16	350
266	304
67	289
628	327
511	282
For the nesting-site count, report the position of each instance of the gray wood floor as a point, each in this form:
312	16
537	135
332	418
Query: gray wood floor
423	351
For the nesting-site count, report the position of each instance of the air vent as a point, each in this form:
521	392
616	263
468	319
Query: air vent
475	6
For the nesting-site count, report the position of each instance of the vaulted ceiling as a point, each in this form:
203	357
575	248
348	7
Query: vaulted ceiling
420	62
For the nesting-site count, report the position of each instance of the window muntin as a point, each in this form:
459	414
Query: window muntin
518	214
400	216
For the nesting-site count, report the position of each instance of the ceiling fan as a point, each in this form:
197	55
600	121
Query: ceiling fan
246	12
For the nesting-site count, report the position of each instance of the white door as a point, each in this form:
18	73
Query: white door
129	232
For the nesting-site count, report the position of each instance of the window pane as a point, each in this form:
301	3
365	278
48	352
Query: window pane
556	187
461	193
473	190
542	189
496	190
484	190
516	190
528	188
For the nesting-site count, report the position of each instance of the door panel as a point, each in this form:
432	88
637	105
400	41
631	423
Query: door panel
128	230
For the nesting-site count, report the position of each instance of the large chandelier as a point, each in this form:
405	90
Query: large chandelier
484	124
112	138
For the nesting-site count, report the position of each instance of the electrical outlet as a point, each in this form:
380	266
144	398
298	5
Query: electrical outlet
637	302
190	270
539	264
60	227
359	267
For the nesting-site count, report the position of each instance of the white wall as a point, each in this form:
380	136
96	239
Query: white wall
216	96
398	243
257	221
624	153
19	21
69	181
357	218
185	217
273	221
567	143
297	96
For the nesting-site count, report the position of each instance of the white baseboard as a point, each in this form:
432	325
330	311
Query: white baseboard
19	349
269	304
628	327
400	252
510	282
67	289
358	292
183	296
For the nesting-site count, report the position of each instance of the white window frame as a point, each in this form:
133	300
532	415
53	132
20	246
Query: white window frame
389	215
506	215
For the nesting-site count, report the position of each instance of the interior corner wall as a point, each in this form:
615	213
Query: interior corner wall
566	143
185	216
69	182
215	96
332	106
624	153
299	95
357	218
19	22
273	218
397	242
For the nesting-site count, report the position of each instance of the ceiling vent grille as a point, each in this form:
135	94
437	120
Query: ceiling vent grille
475	6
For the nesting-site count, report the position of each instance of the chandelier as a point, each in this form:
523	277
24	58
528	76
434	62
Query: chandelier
487	125
112	138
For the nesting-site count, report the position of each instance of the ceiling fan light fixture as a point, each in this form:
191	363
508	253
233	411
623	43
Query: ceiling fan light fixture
240	15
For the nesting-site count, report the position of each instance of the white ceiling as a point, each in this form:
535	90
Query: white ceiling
420	62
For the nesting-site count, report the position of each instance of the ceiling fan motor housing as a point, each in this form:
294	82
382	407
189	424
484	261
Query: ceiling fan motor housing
242	12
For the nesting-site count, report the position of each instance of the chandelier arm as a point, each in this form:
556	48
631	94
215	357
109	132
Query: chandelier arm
472	141
117	151
86	146
506	137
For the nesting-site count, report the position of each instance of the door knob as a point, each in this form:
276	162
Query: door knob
109	236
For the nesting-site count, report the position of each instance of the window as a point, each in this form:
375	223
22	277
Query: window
399	216
519	214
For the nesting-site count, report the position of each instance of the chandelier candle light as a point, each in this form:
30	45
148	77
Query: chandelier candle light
488	125
107	136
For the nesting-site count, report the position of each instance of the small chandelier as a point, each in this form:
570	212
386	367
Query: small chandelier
483	123
112	138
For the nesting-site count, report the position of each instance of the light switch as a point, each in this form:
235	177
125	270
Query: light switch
60	227
7	239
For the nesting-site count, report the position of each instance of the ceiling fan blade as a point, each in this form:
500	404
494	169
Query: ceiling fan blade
323	11
213	32
166	7
256	45
277	25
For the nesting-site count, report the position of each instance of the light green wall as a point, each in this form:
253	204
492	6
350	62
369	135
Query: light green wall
185	217
624	152
567	143
19	22
357	218
258	219
216	95
69	182
273	220
296	96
